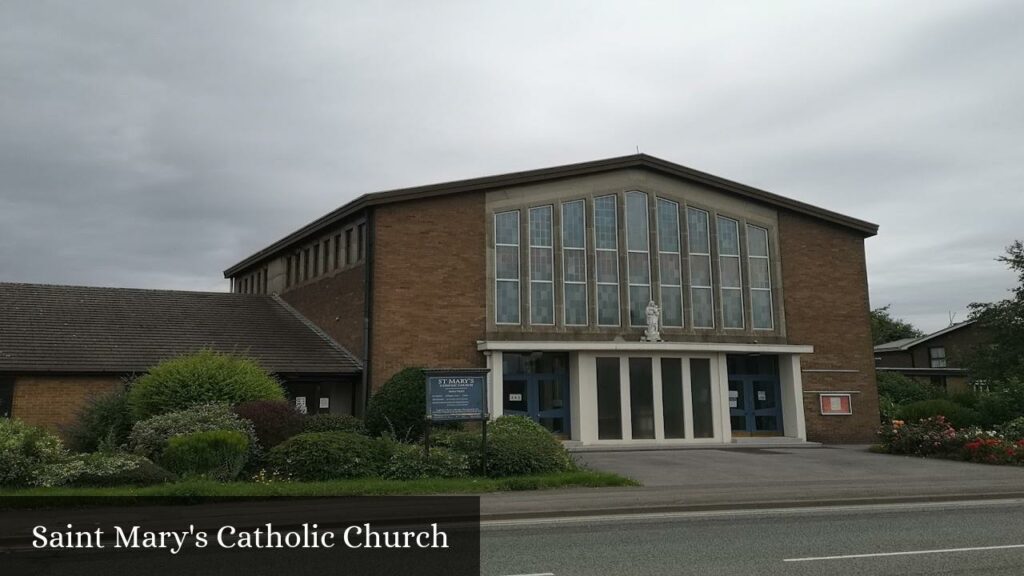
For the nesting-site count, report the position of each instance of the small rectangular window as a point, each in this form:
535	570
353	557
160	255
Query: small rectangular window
574	263
337	251
506	268
606	254
316	259
542	267
730	271
937	356
703	301
305	264
6	397
361	239
350	248
672	397
641	398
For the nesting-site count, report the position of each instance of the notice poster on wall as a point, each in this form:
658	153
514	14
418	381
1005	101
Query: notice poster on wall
835	404
300	404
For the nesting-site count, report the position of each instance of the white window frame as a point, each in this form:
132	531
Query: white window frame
583	249
615	251
739	267
768	260
711	276
647	251
679	257
519	269
551	249
932	359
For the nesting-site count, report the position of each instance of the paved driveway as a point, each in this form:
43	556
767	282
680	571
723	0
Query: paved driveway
768	477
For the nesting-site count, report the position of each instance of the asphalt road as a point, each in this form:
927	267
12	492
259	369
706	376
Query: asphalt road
882	539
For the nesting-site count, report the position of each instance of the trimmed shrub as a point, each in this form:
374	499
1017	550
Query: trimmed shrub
314	456
201	378
956	414
31	456
214	454
273	420
102	424
408	462
398	409
905	390
334	423
120	469
1002	403
517	446
467	443
150	437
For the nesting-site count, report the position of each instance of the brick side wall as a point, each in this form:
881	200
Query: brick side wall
335	304
429	285
826	301
53	401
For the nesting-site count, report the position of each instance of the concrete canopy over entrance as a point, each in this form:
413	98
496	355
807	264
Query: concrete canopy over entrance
636	393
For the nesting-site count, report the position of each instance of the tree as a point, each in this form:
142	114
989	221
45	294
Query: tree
885	328
1002	357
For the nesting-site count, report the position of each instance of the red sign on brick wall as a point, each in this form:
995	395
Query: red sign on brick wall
835	404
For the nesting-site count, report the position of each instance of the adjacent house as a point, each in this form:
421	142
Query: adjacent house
552	279
936	358
61	345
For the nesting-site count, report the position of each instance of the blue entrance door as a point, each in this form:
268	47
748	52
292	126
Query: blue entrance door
542	397
754	405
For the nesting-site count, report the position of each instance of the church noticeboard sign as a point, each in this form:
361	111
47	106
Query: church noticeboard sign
456	395
835	404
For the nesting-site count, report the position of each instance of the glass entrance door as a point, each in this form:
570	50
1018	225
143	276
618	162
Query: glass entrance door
540	396
755	404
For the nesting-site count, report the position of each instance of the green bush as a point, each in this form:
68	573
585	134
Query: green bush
31	456
465	442
966	399
214	454
518	446
1003	402
201	378
334	423
102	424
905	390
120	469
314	456
1013	430
398	409
923	437
149	437
273	420
408	462
957	415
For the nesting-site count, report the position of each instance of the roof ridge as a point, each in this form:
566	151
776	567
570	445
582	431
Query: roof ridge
126	289
316	329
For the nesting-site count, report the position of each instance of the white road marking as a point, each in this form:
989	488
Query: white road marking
537	574
907	553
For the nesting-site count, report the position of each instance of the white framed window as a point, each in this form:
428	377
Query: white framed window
701	292
638	257
731	285
506	268
574	262
670	280
937	356
762	316
542	267
606	257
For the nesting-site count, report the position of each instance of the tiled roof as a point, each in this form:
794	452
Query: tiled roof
47	328
908	343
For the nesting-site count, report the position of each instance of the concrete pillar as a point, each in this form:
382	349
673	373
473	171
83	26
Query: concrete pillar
792	388
495	383
720	401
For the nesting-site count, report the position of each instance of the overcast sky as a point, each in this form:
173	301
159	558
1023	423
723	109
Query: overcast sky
153	144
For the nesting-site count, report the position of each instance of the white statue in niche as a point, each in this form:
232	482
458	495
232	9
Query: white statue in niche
653	332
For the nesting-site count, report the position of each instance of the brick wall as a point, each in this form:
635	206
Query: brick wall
826	301
53	401
335	304
429	290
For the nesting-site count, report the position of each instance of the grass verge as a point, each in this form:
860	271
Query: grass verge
356	487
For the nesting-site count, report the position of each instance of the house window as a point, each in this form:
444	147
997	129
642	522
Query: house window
6	397
701	292
506	267
937	357
638	258
606	256
761	313
732	277
337	251
669	264
574	263
542	264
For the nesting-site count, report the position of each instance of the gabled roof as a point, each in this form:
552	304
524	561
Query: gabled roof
47	328
546	174
908	343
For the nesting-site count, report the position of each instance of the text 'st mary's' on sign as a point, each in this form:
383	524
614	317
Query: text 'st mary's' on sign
456	395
